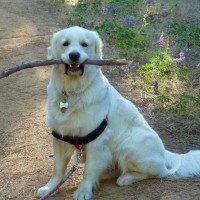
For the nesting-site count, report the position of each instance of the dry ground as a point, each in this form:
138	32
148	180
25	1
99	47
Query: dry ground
25	143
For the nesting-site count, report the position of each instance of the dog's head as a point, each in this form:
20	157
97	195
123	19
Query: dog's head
74	46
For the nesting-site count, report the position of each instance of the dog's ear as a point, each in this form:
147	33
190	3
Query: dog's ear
98	45
52	49
49	53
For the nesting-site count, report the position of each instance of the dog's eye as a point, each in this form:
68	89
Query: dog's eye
65	44
84	44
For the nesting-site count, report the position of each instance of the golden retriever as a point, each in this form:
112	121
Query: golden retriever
126	141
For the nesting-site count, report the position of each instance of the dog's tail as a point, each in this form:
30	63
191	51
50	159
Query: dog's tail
183	165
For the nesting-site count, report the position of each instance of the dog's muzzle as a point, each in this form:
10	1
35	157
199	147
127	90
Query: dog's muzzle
74	69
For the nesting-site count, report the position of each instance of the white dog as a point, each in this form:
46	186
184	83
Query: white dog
122	136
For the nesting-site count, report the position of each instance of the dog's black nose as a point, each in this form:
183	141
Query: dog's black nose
74	56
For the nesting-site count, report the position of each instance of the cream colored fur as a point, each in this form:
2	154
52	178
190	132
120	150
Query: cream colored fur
128	141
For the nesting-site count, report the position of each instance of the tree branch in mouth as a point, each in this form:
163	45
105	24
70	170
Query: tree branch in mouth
39	63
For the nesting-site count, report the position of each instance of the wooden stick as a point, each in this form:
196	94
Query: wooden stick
39	63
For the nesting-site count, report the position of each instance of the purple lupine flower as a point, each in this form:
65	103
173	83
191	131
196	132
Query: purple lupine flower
161	41
150	1
181	58
128	21
125	69
108	7
154	84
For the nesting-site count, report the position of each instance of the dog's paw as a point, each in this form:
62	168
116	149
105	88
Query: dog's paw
124	180
48	187
43	191
83	194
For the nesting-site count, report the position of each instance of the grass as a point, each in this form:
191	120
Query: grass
132	28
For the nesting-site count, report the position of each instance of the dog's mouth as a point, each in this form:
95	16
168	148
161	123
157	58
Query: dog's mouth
74	69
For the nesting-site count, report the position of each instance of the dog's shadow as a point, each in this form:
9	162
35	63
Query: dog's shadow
151	189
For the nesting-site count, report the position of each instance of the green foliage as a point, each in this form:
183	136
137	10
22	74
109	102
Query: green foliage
109	23
57	3
186	33
160	69
156	67
184	102
126	40
181	116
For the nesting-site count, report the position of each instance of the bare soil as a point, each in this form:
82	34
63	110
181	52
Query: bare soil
25	143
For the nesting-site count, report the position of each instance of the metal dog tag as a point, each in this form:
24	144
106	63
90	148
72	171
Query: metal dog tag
63	107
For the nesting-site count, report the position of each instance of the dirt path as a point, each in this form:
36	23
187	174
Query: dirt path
25	143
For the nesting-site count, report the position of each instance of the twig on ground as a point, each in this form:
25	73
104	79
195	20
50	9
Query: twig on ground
39	63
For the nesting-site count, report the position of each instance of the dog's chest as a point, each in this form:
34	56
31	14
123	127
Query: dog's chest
77	114
79	120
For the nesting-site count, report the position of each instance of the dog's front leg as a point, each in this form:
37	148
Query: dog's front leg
97	159
62	154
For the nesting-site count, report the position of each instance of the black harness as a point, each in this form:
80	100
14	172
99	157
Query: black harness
78	142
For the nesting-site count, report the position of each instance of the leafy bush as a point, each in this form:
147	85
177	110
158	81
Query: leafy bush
186	33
